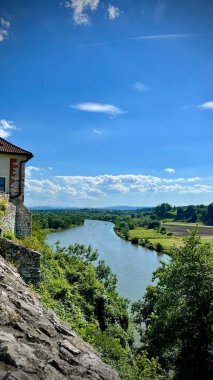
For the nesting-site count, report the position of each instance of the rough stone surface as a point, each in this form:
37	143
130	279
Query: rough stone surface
8	220
23	223
18	218
26	260
35	344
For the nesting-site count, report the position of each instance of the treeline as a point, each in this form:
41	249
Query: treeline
125	220
191	213
58	219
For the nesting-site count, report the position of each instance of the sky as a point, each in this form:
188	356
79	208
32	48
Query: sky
113	98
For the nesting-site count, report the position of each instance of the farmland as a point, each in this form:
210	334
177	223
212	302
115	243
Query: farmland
175	232
182	229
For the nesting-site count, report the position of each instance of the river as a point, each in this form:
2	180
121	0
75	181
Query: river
132	264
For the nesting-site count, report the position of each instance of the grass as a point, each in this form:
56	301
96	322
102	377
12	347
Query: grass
167	242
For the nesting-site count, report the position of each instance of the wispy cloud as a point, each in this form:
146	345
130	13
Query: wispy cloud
97	131
169	170
173	36
206	106
152	37
114	12
4	29
108	109
5	128
141	87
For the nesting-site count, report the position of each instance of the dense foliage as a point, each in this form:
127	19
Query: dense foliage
191	214
58	219
178	313
85	296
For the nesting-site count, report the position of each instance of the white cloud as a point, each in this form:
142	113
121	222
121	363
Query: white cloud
4	134
109	109
206	106
194	179
3	34
73	188
169	170
6	124
141	87
197	189
4	23
4	29
5	128
30	169
113	12
79	8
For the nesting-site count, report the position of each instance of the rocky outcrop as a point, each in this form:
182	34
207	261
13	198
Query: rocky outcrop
35	344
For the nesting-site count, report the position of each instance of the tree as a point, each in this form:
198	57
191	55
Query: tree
210	214
191	213
163	209
178	312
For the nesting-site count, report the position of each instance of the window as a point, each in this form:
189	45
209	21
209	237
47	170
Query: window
2	184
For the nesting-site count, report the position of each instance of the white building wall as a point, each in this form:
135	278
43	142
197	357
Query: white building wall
5	169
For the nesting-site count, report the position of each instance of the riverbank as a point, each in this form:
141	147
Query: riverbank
52	230
172	236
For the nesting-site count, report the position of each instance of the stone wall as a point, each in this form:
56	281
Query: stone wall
23	226
17	179
8	220
25	260
18	218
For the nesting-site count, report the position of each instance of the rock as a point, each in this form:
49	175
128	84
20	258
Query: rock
35	344
68	346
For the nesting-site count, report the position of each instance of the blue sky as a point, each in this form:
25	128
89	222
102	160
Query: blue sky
114	99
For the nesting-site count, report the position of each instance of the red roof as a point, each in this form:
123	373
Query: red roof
8	148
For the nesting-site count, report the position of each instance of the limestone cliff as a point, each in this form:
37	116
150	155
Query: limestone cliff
35	344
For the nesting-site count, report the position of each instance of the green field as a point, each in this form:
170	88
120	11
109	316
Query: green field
179	230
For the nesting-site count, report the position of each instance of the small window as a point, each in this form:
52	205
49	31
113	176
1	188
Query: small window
2	184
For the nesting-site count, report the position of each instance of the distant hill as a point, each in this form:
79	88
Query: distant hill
49	208
120	207
116	208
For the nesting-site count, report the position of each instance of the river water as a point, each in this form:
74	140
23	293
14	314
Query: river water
132	264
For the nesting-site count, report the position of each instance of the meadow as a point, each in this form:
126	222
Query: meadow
174	236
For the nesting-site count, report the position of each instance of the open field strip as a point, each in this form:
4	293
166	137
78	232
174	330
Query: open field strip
154	237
